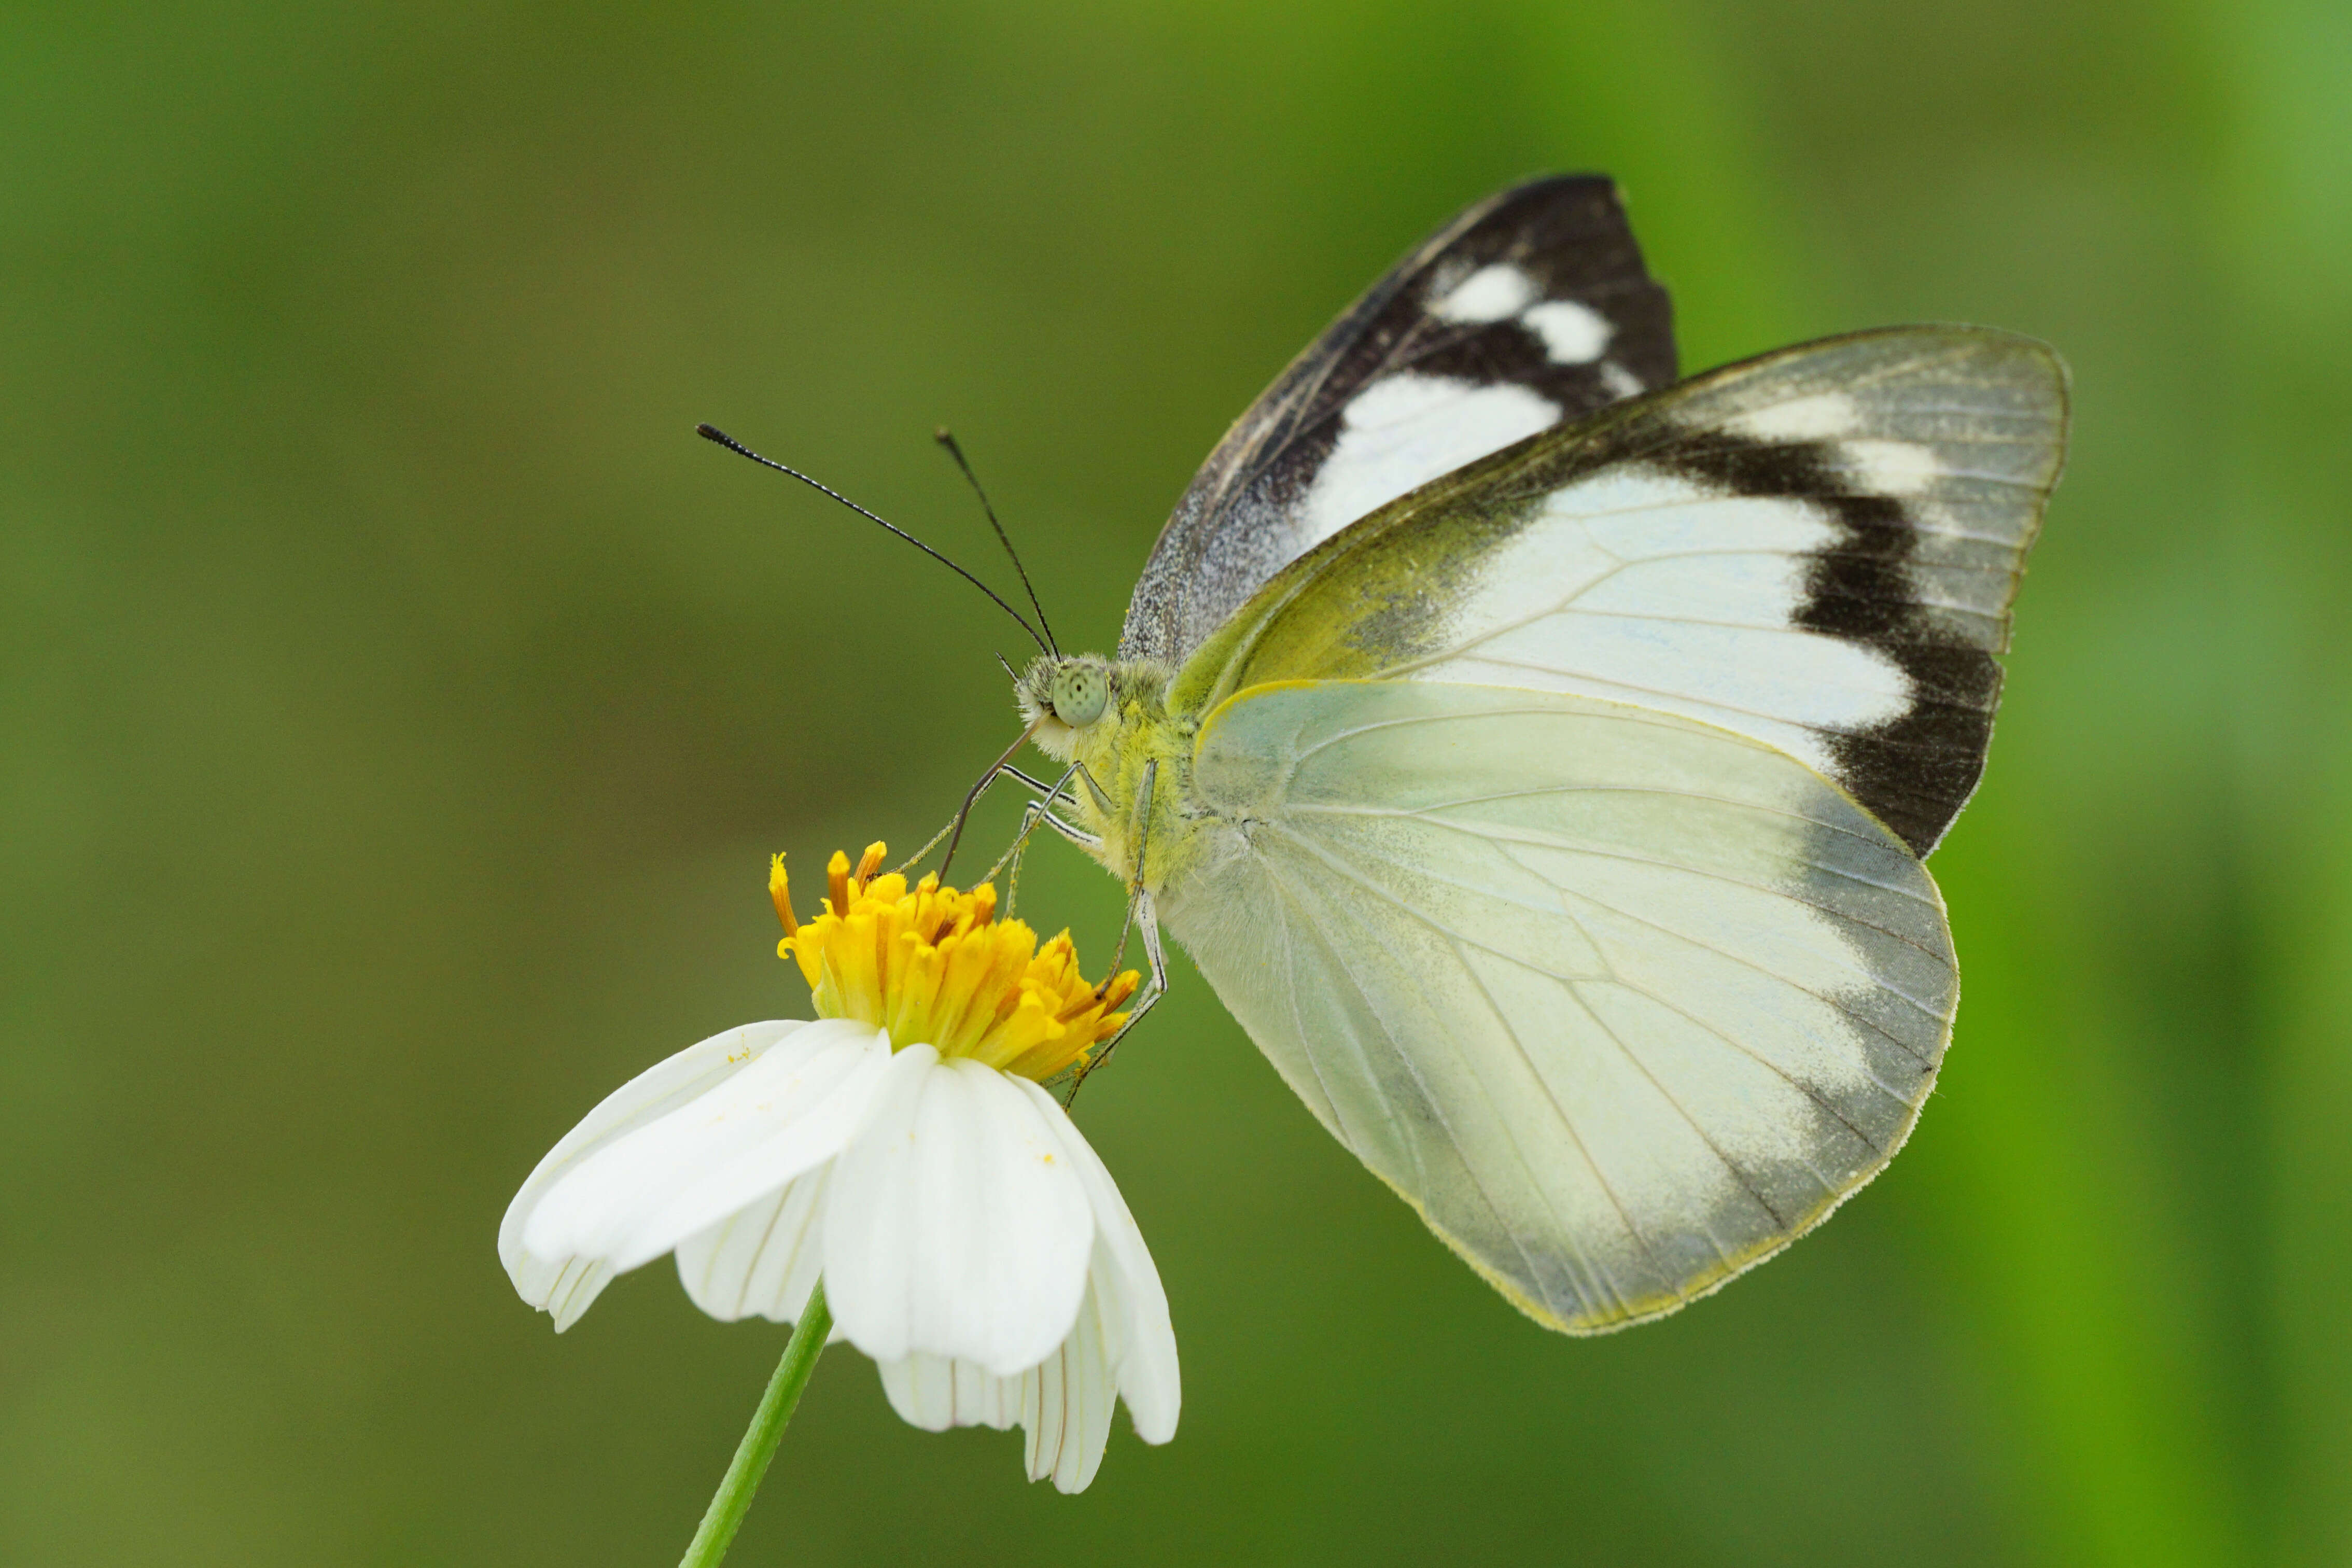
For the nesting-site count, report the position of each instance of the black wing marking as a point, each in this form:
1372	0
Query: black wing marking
1925	565
1530	308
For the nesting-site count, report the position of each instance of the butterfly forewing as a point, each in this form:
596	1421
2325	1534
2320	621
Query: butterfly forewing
1530	308
1620	1001
1817	549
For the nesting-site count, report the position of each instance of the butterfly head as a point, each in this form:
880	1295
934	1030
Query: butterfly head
1062	696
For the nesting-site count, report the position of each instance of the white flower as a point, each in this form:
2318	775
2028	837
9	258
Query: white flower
970	1240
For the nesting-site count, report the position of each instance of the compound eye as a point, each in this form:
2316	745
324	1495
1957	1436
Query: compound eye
1080	694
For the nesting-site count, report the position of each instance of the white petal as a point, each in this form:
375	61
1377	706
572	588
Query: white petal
762	1261
1064	1401
565	1287
957	1225
935	1394
787	1112
1067	1403
563	1283
1140	1340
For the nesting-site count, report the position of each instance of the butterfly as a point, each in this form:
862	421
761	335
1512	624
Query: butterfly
1539	754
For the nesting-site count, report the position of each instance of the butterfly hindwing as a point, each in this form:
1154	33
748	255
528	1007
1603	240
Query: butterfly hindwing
1529	309
1817	549
1621	1002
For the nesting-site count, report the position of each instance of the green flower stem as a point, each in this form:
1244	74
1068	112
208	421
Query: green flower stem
733	1499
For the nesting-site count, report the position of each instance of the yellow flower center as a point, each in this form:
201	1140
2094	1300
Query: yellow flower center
935	967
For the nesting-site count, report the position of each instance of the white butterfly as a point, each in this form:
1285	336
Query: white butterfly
1537	755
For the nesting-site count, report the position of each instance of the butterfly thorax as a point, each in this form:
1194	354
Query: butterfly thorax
1126	733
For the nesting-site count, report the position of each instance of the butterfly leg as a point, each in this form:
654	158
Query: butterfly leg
1146	920
1049	791
996	770
1048	797
1134	893
1141	918
953	832
1036	812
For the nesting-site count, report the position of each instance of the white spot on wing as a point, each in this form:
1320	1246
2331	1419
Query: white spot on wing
1403	431
1571	333
1823	416
1618	381
1891	467
1489	294
1634	512
1651	546
1639	585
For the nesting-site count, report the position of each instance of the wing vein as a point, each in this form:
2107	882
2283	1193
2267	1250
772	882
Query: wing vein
1340	964
1567	1125
1639	1066
1496	837
1828	1001
1768	1065
1495	796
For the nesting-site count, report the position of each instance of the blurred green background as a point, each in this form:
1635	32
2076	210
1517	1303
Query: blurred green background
397	705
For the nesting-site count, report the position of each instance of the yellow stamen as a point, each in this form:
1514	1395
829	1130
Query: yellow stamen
780	893
935	966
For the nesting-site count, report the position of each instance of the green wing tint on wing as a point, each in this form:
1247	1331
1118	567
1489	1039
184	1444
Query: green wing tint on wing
1818	549
1621	1002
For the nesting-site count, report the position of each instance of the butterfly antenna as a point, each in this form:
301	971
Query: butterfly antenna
712	433
946	438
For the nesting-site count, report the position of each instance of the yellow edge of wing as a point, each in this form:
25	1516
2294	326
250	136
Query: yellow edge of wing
1704	1283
